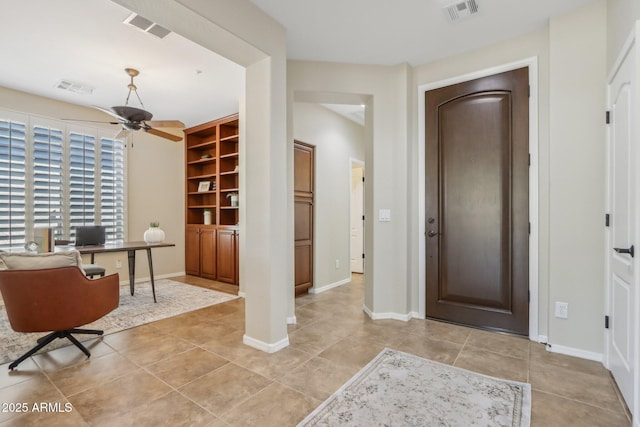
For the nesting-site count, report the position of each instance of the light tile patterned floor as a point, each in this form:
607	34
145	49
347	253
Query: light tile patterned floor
193	370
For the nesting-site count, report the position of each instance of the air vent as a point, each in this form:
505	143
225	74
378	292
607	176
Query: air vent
146	25
455	10
75	87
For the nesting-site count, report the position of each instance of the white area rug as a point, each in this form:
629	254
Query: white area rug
400	389
174	298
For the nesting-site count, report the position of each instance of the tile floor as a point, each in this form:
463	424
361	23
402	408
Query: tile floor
193	370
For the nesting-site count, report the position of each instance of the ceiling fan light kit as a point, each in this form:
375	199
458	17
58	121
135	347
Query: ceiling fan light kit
134	119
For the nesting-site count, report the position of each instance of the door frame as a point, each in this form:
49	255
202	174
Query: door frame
352	162
534	243
631	43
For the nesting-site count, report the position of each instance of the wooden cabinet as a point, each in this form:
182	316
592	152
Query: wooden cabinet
212	189
227	255
200	257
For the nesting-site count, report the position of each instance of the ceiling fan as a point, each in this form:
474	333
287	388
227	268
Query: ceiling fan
133	119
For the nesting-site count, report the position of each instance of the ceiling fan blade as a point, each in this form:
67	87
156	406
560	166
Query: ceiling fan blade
165	124
90	121
109	112
162	134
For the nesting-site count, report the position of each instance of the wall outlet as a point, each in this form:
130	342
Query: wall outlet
562	310
118	263
337	263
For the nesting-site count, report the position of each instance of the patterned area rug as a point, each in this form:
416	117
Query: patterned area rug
174	298
400	389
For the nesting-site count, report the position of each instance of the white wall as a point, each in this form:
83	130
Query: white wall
577	176
337	140
621	18
155	192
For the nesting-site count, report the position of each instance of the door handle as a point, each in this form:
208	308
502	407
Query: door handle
625	251
431	233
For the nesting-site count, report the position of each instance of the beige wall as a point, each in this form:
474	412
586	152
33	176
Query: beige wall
155	191
337	140
621	18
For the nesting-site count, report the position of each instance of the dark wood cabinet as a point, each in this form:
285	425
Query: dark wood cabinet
212	190
227	255
200	257
304	165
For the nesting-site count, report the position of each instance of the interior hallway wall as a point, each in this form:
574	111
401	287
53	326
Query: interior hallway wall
336	140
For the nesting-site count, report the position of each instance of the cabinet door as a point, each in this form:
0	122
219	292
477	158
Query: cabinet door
208	253
192	251
226	255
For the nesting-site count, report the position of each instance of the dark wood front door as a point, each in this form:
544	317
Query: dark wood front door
477	202
303	199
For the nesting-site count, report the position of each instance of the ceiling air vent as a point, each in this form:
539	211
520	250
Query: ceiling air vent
74	87
456	10
147	26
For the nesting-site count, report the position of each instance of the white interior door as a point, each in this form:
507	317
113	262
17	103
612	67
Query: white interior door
622	237
357	222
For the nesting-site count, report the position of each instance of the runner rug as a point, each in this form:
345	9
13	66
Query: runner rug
400	389
173	297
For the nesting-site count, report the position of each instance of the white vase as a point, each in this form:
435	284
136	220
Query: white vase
154	235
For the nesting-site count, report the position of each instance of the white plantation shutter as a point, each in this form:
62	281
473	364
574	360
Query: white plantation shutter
82	181
112	187
48	179
12	183
60	176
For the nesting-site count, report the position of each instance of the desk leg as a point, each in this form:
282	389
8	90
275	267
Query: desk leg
153	285
131	257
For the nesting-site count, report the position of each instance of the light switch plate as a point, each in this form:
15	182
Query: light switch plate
384	215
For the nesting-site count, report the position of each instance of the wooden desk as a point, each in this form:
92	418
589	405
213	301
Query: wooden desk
130	248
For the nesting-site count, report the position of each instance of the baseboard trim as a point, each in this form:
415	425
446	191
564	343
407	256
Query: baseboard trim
292	320
390	315
266	347
325	288
575	352
543	339
242	294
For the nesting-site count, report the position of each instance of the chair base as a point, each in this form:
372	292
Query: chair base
43	341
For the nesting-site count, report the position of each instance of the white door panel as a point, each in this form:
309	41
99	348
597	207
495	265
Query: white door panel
623	267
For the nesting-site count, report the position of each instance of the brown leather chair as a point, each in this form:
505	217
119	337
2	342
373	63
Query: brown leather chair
56	299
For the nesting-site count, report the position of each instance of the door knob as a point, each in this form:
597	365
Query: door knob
431	233
625	251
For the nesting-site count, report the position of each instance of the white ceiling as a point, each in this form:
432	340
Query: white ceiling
86	42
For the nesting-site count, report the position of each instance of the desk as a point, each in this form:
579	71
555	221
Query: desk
130	248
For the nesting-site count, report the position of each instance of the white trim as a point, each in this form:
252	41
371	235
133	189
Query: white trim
389	315
242	294
292	320
354	161
534	242
263	346
325	288
575	352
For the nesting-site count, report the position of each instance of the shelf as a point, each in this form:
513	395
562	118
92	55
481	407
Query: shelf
229	207
208	144
229	138
209	175
200	206
228	173
234	154
227	190
195	193
199	161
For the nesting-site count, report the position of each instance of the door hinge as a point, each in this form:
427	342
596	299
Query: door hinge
529	228
608	117
363	179
529	159
529	91
606	322
362	256
363	217
606	220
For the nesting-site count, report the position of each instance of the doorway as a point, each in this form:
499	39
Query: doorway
304	179
357	217
477	202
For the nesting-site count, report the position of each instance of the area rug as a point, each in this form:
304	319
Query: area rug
174	298
400	389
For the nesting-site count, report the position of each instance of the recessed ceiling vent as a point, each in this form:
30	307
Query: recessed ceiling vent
455	10
147	26
75	87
